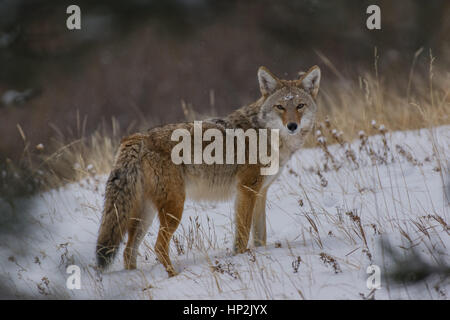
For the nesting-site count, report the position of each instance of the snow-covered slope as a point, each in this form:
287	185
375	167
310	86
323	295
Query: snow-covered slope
326	217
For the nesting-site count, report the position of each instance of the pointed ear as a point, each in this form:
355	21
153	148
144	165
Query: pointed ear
268	83
310	81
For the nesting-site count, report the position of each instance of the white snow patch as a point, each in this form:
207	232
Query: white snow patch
304	219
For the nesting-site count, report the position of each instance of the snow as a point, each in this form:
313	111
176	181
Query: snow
315	247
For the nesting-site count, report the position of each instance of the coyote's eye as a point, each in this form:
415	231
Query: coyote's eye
301	105
279	107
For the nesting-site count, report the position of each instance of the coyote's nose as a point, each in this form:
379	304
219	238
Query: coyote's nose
292	126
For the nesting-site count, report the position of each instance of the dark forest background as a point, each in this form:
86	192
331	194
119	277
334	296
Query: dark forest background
136	60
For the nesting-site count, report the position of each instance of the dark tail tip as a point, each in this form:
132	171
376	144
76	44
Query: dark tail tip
105	255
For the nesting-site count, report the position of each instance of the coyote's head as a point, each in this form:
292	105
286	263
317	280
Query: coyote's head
289	105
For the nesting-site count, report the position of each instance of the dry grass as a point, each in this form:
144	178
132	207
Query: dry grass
371	103
403	101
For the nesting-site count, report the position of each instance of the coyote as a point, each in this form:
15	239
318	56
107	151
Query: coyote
145	181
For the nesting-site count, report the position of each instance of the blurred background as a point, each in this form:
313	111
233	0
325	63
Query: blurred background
137	60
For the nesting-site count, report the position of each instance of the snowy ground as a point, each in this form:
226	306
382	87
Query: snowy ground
326	216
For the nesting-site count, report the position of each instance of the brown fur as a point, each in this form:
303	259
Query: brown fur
144	179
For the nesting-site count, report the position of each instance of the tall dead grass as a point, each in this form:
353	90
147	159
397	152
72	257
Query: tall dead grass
405	100
364	104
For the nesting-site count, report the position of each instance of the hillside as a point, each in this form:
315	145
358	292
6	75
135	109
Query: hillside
327	215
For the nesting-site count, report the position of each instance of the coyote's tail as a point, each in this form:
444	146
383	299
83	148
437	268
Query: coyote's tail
122	195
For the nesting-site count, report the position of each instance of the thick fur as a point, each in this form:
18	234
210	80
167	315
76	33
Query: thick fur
122	196
145	181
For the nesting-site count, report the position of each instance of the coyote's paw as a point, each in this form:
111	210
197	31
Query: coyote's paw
238	250
171	272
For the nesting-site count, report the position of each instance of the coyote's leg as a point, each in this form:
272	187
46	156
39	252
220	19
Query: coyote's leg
169	217
137	228
245	204
259	219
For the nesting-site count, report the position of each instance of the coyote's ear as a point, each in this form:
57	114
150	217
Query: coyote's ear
310	81
268	83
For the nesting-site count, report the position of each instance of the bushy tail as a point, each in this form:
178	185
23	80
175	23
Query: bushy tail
121	197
